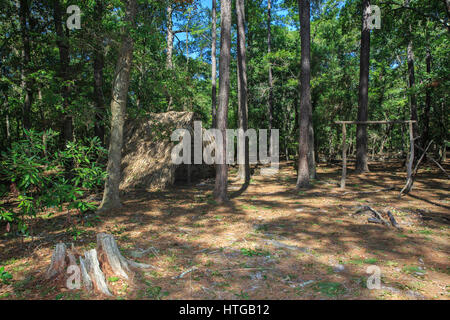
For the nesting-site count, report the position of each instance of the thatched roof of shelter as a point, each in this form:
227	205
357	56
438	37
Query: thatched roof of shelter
146	154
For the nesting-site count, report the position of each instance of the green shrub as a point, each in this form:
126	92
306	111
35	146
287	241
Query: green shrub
5	276
46	177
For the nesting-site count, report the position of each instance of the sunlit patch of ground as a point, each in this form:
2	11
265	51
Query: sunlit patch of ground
269	242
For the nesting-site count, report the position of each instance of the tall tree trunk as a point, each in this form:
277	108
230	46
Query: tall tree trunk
447	6
213	66
426	114
220	189
411	83
444	132
296	125
286	124
187	102
244	169
311	148
121	81
363	99
269	48
24	16
7	123
305	95
250	37
100	111
170	35
64	61
169	53
187	41
411	80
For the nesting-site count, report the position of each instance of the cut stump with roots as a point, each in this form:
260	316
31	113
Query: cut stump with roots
377	217
94	266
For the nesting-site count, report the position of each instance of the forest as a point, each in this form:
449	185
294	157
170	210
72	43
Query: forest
114	131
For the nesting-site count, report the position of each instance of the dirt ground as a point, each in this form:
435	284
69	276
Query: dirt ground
269	242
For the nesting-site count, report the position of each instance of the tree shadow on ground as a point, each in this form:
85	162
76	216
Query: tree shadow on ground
268	241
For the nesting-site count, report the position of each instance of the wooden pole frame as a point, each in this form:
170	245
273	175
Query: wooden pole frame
375	122
344	144
344	156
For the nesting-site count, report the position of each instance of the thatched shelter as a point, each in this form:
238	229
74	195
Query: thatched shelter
146	154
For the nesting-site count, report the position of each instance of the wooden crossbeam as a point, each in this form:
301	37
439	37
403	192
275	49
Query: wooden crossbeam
375	122
344	156
344	145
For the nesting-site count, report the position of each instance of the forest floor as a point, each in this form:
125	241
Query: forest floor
269	242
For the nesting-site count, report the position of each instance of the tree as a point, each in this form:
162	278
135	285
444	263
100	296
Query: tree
426	115
34	94
447	7
244	169
311	146
213	65
411	85
363	99
411	79
99	127
111	198
64	73
220	190
169	49
24	15
170	35
269	48
305	95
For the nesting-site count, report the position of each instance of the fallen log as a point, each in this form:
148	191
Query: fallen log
392	219
374	213
377	216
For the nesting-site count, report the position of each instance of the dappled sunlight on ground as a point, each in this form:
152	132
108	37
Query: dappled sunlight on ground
269	242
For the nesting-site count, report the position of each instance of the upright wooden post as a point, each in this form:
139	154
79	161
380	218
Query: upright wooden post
189	173
344	156
344	145
411	154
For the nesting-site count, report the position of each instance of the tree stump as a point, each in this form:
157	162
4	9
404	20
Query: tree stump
58	263
87	282
95	266
94	272
110	257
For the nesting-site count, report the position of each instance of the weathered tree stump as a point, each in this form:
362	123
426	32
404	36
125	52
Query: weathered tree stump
87	282
110	257
95	273
58	263
95	266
